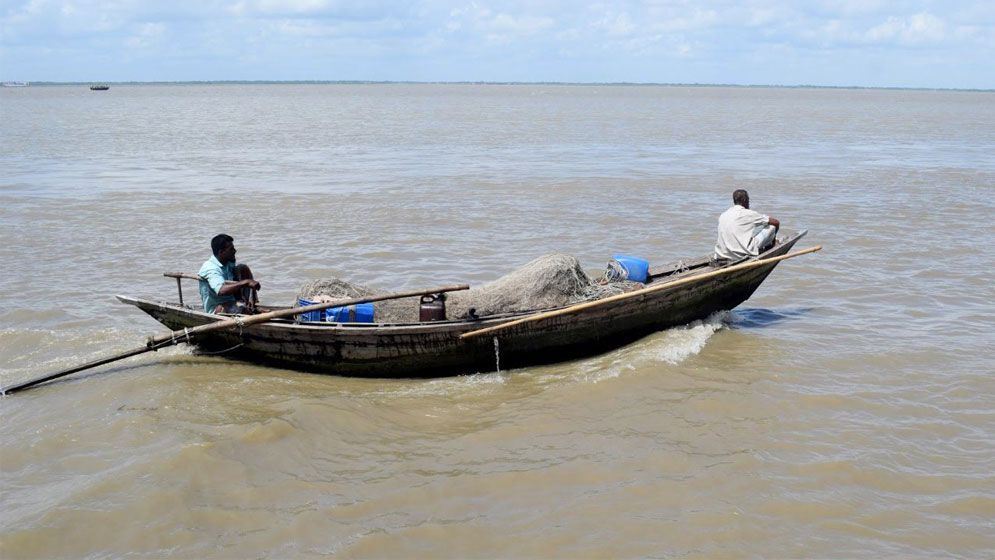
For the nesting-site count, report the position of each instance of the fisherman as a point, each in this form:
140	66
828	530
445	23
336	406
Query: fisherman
743	232
227	287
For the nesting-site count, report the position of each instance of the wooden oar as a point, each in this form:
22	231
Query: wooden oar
186	335
636	293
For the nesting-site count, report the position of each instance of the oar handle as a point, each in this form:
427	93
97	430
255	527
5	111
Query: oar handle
635	293
178	275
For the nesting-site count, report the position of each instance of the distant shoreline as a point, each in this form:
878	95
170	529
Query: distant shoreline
585	84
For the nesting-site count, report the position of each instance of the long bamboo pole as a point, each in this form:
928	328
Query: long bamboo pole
636	293
187	335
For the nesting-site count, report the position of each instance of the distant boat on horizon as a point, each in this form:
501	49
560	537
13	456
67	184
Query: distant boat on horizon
100	88
14	84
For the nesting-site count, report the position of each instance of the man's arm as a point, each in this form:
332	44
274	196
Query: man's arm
230	288
216	281
774	222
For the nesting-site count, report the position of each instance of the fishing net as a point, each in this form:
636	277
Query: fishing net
549	281
546	282
404	310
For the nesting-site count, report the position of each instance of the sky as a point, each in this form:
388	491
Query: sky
867	43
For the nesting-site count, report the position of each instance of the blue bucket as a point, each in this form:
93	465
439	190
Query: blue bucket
359	313
636	269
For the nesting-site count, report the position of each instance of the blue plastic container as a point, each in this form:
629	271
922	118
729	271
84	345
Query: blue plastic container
310	316
359	313
636	269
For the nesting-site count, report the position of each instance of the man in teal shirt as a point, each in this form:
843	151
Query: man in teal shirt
226	287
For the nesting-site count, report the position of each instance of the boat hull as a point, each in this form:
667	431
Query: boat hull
436	349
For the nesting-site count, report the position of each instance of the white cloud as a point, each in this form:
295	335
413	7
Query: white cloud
469	36
762	16
851	8
276	7
642	43
497	27
911	30
697	19
615	25
568	35
523	25
148	34
918	28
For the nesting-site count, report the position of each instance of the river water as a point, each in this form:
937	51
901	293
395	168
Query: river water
845	411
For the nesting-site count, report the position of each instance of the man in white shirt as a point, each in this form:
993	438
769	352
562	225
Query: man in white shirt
743	232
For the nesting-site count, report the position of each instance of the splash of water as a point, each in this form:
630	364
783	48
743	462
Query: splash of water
680	343
672	346
497	355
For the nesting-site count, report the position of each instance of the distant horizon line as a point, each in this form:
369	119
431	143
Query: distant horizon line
483	82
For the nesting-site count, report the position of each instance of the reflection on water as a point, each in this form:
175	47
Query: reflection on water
844	413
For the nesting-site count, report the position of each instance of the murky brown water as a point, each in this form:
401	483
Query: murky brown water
844	411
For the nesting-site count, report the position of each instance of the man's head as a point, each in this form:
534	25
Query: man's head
741	197
223	247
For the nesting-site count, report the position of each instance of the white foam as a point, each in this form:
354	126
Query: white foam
672	346
611	372
680	343
445	386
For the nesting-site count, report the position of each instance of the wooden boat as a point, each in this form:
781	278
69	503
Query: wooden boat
435	349
100	88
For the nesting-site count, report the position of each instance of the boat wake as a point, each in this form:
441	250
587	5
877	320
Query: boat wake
671	346
680	343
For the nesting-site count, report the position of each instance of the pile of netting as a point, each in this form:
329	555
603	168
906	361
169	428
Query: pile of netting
403	310
547	282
